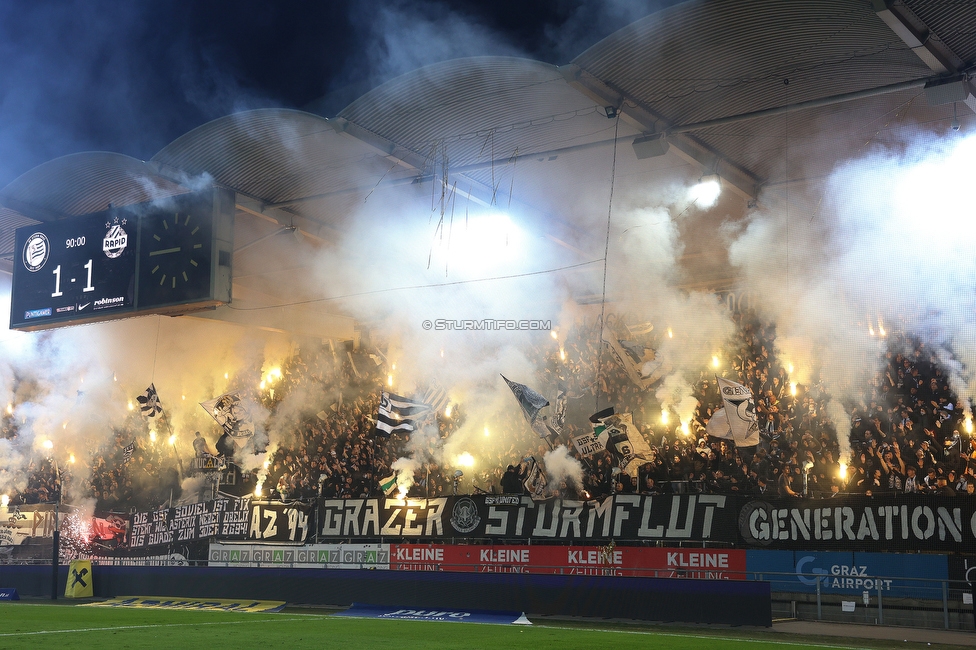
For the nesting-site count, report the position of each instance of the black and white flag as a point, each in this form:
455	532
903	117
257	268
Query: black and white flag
535	478
149	403
437	398
399	414
530	401
233	415
127	452
740	412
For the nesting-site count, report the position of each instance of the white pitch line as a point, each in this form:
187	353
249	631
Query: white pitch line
617	631
144	627
701	636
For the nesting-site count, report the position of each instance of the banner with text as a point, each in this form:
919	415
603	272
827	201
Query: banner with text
610	560
879	523
275	521
226	518
624	516
18	523
312	556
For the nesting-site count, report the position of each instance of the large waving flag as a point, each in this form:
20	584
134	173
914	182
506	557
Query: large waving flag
531	403
437	398
637	361
740	411
149	403
718	425
398	414
233	415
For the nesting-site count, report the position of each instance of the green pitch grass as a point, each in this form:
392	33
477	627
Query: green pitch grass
42	625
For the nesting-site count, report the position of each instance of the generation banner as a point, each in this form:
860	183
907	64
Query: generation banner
226	518
881	523
621	517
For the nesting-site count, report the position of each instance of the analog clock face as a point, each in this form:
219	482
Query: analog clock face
175	256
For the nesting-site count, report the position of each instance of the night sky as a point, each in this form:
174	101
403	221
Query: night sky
130	77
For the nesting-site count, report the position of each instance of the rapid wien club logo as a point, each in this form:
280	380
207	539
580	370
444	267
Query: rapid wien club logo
115	239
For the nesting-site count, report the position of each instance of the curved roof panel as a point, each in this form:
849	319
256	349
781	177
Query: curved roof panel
479	109
272	154
83	183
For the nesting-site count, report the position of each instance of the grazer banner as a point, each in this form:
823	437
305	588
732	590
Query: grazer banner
880	523
610	560
623	517
276	521
226	518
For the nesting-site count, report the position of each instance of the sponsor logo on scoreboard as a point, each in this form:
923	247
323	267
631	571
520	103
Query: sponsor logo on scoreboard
37	250
61	310
108	303
37	313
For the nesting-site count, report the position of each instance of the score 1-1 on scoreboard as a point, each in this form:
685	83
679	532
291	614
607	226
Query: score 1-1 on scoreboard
170	256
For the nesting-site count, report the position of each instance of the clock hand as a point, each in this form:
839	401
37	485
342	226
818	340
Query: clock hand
164	251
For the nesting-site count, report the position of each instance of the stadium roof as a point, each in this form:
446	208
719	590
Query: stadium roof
765	93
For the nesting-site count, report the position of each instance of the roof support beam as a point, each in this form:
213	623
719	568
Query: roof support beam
688	147
917	35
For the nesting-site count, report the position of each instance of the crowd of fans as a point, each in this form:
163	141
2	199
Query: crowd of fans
907	434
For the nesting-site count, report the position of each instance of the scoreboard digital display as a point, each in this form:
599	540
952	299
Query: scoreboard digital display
163	257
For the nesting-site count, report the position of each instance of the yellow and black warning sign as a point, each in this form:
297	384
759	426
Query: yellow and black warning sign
79	584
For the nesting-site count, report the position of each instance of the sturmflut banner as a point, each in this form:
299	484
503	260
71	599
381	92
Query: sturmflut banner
624	516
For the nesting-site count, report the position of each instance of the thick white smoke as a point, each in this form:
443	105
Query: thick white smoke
877	249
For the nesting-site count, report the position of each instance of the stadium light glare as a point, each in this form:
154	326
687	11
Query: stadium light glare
483	243
706	192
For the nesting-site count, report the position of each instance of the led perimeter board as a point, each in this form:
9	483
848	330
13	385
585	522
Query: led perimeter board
171	256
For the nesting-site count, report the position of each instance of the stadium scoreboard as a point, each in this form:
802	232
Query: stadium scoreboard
170	256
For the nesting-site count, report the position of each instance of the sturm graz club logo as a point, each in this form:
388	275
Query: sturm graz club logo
36	251
465	517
